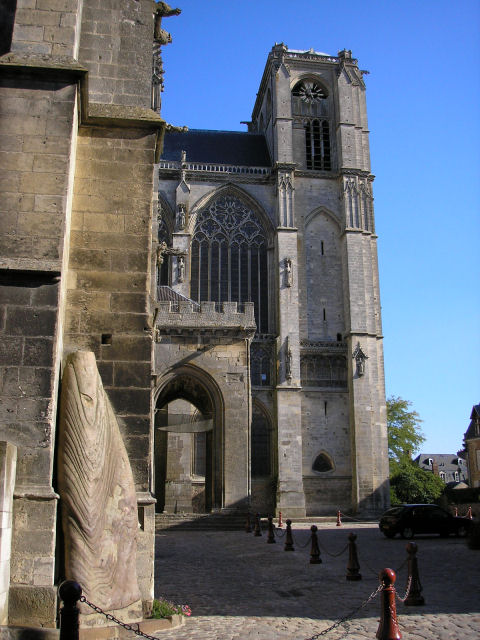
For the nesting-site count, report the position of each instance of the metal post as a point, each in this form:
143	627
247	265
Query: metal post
353	566
315	550
414	597
339	519
69	592
288	537
388	627
248	525
271	532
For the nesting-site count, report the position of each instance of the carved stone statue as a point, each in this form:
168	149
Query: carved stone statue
97	491
161	250
181	268
288	272
359	358
163	10
181	217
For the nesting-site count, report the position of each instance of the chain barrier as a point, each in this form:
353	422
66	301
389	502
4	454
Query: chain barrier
375	573
341	621
333	555
407	592
280	534
126	626
343	515
301	546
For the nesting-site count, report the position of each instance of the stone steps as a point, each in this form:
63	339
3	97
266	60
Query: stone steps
220	522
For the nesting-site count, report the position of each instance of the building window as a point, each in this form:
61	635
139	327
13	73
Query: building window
310	102
322	463
317	145
442	475
229	257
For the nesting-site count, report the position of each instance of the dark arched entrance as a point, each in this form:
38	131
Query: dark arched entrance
188	437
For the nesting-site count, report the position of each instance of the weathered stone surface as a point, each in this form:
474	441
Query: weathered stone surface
97	490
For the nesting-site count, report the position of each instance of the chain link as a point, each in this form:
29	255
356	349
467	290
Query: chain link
127	627
407	592
333	555
341	621
279	534
300	546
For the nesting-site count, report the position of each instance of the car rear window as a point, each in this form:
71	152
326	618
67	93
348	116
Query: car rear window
394	511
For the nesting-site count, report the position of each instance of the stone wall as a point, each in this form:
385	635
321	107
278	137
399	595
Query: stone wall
8	461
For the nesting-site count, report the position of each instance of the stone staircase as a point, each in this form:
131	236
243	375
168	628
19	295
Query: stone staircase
220	521
200	521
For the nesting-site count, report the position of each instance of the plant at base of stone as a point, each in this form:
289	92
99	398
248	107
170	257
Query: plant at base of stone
164	609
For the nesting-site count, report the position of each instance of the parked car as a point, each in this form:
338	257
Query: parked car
411	519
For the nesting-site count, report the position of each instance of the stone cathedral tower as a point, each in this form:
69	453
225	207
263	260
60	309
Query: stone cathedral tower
281	217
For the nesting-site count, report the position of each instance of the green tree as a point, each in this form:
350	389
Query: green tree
404	433
410	484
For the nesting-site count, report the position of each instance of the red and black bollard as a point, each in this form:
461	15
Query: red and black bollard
70	592
288	537
414	596
271	531
258	529
388	627
315	550
469	513
339	520
353	566
280	523
248	524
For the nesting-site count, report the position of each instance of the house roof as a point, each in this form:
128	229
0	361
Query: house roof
447	463
473	430
220	147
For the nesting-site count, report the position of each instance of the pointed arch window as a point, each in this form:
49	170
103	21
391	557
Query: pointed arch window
310	102
229	257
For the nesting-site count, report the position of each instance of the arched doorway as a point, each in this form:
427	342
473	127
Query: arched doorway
188	437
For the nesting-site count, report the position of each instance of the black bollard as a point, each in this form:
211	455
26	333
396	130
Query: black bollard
288	537
70	592
271	531
353	567
248	524
258	529
315	550
414	596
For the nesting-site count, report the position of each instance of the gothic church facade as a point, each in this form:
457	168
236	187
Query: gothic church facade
279	218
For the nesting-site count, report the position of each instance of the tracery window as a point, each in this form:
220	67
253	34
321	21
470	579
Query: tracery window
229	257
261	356
310	100
323	371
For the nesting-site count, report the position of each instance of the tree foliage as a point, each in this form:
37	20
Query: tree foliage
404	432
411	484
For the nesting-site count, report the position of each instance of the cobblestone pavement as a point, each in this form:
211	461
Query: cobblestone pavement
240	587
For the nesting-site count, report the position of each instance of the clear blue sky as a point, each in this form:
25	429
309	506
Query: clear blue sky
423	96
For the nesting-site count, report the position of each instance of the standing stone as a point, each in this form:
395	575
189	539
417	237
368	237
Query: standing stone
97	491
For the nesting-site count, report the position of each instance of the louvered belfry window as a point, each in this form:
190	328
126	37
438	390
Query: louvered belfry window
229	257
310	106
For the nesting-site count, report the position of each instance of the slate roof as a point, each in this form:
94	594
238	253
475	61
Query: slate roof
473	430
447	462
219	147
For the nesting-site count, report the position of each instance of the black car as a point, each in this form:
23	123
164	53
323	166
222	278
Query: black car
411	519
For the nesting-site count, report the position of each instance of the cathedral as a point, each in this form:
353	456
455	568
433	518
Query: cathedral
196	311
276	222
